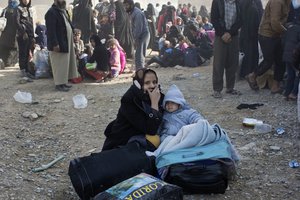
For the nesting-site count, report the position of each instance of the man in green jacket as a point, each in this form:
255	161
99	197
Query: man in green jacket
270	32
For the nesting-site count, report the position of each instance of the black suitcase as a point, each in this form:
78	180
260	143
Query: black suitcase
200	177
95	173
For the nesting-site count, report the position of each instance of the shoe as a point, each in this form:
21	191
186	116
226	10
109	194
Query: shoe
217	95
252	82
28	75
61	88
67	85
233	92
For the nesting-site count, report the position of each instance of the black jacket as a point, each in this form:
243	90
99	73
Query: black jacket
24	21
101	56
8	36
56	29
218	15
135	117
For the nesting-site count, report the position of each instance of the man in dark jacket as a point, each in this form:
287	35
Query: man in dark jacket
226	18
140	32
25	35
60	42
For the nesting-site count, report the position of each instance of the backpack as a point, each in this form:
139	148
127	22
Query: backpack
201	169
191	57
173	57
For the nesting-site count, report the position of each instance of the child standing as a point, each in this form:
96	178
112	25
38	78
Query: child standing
114	61
177	113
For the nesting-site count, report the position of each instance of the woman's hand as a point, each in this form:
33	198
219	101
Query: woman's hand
154	97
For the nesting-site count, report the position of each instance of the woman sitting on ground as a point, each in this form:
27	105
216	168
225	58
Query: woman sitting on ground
140	113
101	56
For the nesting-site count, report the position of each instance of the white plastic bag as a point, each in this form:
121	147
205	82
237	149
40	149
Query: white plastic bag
23	97
3	21
42	66
80	101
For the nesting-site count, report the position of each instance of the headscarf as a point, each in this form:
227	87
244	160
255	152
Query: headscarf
97	40
138	79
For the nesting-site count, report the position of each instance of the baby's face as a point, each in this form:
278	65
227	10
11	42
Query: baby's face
171	106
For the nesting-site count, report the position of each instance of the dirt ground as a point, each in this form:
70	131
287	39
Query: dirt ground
263	172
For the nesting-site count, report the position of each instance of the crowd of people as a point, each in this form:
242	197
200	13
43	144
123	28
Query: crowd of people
111	31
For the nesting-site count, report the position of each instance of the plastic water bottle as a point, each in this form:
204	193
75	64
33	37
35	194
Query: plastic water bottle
263	128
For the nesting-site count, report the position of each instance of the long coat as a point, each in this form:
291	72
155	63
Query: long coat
8	36
56	29
135	117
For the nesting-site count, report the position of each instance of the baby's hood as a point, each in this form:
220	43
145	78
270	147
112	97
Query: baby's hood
174	95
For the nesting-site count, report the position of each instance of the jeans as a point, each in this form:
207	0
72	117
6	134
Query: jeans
292	81
140	52
272	52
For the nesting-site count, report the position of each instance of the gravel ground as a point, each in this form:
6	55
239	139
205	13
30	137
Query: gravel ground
60	129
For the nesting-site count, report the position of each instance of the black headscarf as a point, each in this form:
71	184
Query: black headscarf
96	39
140	76
150	9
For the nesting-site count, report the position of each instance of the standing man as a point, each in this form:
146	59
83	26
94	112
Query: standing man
61	46
140	31
270	32
25	35
226	18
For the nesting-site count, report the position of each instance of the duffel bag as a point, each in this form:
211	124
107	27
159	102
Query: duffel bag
200	177
93	174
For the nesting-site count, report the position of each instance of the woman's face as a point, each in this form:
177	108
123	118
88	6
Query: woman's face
150	82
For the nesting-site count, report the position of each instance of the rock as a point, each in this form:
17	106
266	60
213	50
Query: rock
33	116
26	114
96	116
57	100
178	77
275	148
248	146
112	100
90	97
178	67
40	114
32	155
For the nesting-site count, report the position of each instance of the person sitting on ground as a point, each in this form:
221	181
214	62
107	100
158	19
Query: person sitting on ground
41	38
180	25
115	62
183	43
100	56
140	114
207	26
170	58
177	113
